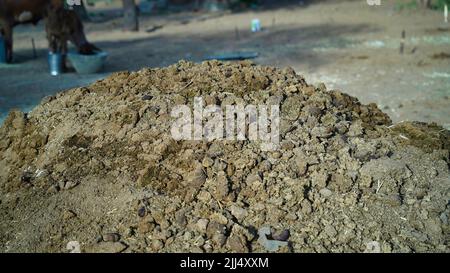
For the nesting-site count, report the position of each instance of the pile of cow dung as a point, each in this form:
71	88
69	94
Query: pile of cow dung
97	166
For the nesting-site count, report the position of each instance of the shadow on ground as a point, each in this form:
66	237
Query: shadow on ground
297	43
32	82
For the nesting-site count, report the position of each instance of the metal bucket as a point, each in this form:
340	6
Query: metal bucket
87	64
55	63
2	50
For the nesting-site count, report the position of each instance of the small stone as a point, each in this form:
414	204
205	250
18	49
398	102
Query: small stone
219	240
215	228
162	235
325	192
393	200
61	184
330	231
68	214
253	179
281	236
111	237
321	87
147	97
164	224
202	225
200	241
107	247
355	129
373	247
300	165
207	162
219	166
157	245
180	218
219	218
187	236
221	188
240	163
141	211
319	179
306	207
145	227
238	240
99	239
322	132
197	249
237	243
196	178
210	100
276	155
70	185
204	196
265	166
238	212
230	169
208	248
291	89
53	189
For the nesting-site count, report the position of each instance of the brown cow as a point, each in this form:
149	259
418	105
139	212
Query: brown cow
61	25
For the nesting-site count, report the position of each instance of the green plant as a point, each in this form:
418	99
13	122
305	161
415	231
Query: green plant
439	4
412	4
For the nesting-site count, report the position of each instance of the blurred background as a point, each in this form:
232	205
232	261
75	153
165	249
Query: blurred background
396	54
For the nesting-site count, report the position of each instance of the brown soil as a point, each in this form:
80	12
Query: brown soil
98	165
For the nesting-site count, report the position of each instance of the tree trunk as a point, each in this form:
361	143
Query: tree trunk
424	3
130	17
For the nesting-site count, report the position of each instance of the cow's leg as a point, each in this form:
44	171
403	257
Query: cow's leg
63	48
77	36
52	44
8	31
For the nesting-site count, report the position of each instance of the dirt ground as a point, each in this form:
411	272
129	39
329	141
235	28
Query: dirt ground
98	169
347	45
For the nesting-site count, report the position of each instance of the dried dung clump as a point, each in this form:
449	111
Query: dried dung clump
100	162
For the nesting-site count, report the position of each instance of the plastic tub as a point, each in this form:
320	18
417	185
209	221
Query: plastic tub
87	64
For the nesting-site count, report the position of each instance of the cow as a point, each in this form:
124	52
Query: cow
61	24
